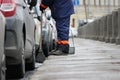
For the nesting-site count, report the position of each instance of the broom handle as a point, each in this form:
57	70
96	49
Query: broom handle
41	20
72	39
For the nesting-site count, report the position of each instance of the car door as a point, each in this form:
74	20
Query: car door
2	55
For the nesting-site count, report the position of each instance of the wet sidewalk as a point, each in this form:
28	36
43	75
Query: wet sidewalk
93	60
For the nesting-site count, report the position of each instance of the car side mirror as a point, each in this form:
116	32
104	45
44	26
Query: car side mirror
32	3
48	17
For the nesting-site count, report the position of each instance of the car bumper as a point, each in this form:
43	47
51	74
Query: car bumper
12	42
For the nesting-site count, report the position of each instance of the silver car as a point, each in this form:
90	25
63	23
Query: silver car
20	34
46	31
2	55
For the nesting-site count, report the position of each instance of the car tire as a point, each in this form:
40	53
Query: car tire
22	65
54	44
46	49
3	70
45	45
22	68
50	42
30	65
18	70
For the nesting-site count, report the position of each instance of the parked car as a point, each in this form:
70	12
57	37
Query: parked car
47	32
38	29
40	57
2	55
46	35
54	31
20	37
37	33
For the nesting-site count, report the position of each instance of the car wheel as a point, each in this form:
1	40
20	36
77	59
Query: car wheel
45	45
51	42
18	70
54	44
30	65
21	67
3	69
46	49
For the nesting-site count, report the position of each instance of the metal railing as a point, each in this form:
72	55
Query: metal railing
95	8
106	28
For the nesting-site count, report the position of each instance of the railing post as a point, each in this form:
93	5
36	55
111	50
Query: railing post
109	27
118	37
105	27
92	30
96	28
114	26
101	29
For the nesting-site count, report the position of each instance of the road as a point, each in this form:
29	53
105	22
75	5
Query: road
93	60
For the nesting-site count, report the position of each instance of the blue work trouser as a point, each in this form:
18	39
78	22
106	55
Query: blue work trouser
62	26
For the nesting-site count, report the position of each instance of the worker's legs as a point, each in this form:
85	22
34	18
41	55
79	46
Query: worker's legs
62	26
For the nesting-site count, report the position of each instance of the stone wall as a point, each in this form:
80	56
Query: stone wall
106	28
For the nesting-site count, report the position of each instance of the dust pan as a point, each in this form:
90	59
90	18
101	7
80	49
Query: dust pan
72	48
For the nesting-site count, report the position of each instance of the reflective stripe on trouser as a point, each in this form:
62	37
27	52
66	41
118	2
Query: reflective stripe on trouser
62	26
62	42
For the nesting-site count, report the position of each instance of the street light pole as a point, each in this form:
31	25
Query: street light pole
88	8
86	15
